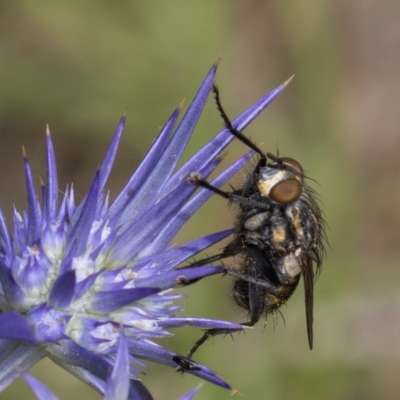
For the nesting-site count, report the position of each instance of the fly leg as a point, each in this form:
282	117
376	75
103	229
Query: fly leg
196	179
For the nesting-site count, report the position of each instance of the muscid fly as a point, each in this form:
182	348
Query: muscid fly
279	235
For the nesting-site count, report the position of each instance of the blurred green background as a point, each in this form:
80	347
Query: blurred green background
77	65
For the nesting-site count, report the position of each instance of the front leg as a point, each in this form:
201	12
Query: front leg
196	179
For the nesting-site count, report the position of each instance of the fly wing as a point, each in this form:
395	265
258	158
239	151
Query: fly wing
308	278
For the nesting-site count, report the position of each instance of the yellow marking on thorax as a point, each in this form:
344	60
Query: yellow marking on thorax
279	234
297	222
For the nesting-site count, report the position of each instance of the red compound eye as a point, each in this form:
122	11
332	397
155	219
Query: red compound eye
286	191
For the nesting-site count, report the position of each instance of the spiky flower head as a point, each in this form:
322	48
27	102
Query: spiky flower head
73	277
117	386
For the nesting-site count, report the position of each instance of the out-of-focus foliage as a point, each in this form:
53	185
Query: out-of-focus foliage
78	65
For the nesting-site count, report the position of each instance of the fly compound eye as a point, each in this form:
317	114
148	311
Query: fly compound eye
286	191
292	162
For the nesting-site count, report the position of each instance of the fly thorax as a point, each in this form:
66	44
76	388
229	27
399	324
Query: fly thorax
257	221
304	222
297	222
278	231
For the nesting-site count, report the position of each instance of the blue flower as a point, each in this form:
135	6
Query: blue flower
73	277
117	386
